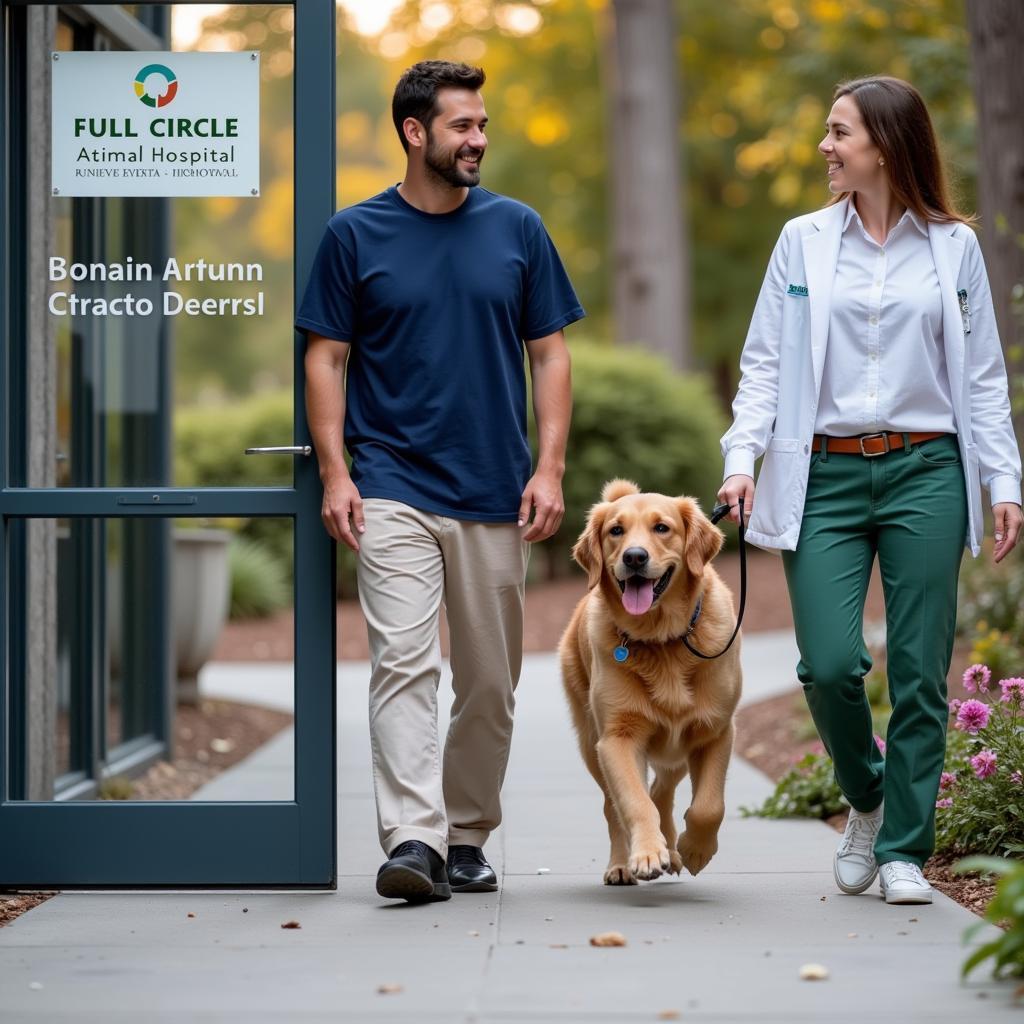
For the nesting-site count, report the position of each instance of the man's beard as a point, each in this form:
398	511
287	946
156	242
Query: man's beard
446	166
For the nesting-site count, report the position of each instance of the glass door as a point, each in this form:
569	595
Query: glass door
147	346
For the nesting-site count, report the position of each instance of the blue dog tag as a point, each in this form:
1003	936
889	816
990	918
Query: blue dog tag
621	653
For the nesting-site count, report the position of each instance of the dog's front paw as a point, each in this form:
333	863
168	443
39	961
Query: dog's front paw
648	862
695	851
619	874
676	865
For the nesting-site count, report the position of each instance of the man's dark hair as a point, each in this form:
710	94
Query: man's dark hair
417	89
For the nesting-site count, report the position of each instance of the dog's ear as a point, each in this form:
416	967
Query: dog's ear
703	539
587	550
615	489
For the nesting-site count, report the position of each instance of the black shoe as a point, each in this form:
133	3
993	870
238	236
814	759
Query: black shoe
469	872
413	872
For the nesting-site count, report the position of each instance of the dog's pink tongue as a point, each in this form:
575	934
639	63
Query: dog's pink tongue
638	595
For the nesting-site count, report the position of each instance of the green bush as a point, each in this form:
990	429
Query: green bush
807	790
1006	910
209	451
210	443
259	582
634	417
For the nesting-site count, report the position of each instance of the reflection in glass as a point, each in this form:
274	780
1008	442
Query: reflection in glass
144	607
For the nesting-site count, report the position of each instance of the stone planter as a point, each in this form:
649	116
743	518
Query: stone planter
200	600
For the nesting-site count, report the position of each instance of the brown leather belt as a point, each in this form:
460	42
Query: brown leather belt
870	445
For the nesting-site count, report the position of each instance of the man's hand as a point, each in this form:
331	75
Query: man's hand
543	493
734	488
341	503
1007	516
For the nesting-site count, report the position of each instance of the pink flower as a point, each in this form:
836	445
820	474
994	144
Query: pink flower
972	716
1017	779
946	780
946	801
977	678
984	764
1013	691
880	743
954	706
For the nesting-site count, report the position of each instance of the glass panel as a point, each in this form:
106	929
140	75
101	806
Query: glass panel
170	317
182	633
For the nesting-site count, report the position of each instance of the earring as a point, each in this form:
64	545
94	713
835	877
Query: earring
881	162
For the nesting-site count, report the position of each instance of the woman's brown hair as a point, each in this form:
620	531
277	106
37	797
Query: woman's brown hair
898	123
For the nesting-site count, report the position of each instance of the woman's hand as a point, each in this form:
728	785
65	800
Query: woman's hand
736	487
1007	516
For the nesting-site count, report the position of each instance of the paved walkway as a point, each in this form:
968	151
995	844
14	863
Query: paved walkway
725	946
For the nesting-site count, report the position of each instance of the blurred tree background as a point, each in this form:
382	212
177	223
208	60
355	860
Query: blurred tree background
754	80
757	78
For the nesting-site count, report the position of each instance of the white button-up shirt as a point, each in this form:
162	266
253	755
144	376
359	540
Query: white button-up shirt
885	367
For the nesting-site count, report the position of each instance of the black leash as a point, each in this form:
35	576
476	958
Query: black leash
621	653
717	513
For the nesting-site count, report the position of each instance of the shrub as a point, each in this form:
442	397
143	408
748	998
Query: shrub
807	790
981	800
259	582
209	451
634	417
1006	910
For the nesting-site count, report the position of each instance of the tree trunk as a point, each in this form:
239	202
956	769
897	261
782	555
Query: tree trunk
997	42
650	267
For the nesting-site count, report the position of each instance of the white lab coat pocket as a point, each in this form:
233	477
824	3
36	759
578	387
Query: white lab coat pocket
779	487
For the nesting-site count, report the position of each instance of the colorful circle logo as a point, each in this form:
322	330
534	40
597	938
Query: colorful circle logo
163	99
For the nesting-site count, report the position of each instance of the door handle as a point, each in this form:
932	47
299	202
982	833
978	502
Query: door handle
291	449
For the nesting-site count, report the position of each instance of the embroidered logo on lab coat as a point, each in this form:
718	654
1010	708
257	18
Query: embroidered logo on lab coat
965	310
798	289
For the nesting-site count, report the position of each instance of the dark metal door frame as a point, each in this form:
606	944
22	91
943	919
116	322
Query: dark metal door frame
200	844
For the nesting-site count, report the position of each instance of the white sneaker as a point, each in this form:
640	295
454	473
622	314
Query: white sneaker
902	882
854	865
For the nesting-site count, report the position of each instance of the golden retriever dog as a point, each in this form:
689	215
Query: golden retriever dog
647	557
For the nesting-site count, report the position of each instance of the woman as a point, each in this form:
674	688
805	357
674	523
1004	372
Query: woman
873	383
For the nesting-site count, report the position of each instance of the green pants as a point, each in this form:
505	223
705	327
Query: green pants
909	507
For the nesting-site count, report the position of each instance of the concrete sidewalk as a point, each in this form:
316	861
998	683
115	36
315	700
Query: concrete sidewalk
725	946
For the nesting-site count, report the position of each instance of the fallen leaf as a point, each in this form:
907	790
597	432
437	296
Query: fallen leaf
670	1015
291	924
813	972
190	914
389	988
608	939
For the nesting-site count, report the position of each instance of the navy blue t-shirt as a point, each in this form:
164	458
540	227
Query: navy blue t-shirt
437	308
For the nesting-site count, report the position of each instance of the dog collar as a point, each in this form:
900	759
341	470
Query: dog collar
621	653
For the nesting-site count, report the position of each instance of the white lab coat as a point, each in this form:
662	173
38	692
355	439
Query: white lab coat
784	354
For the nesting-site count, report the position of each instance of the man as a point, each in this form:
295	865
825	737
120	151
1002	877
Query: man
426	294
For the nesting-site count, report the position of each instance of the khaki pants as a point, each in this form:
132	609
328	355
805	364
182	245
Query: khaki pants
409	561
